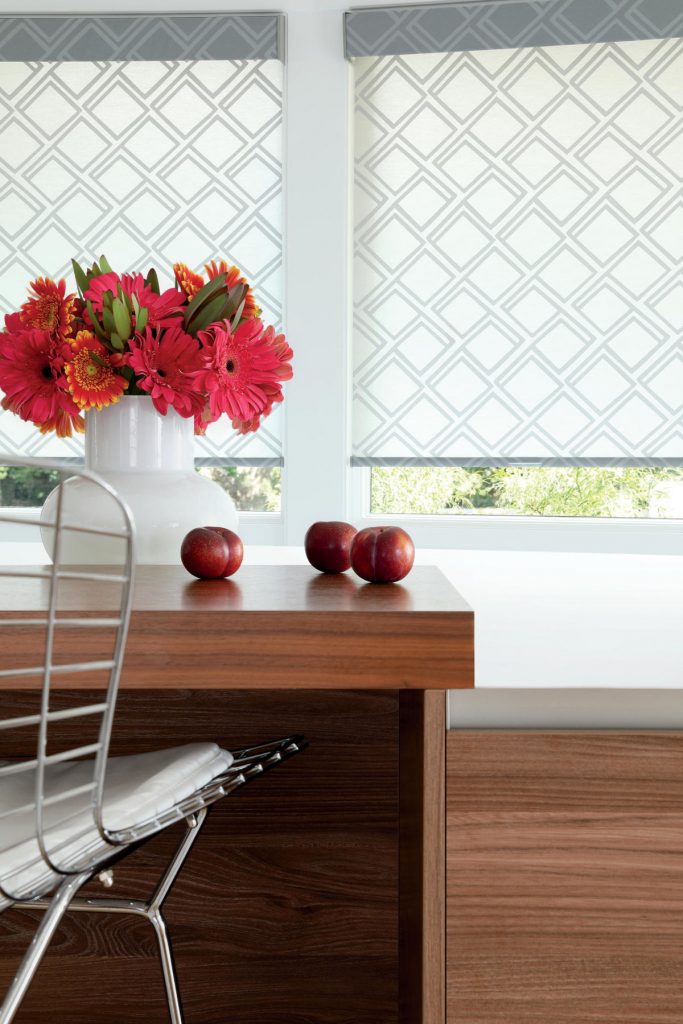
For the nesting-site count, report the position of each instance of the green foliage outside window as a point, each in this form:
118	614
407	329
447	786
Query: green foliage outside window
535	491
25	488
571	491
252	489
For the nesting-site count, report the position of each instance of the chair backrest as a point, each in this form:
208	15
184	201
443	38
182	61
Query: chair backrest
84	609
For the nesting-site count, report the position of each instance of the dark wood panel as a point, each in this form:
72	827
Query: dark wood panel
286	912
270	627
565	877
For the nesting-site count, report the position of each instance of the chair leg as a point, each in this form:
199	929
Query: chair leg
152	910
158	922
175	1009
39	944
194	825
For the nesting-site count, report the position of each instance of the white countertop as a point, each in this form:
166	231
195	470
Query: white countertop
547	621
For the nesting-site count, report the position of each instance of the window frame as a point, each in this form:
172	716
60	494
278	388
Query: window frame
524	533
318	481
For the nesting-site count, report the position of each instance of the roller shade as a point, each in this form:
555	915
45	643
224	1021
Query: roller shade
518	249
153	139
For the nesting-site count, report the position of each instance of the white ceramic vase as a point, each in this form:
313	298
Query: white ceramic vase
149	459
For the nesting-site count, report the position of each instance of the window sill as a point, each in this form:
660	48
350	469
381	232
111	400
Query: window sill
255	527
524	533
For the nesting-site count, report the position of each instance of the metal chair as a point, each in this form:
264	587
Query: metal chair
70	813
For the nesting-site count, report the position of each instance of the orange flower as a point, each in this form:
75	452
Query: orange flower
92	381
234	276
48	307
63	424
188	282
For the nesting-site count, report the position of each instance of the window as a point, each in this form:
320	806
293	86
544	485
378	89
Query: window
389	401
253	489
518	244
628	492
158	139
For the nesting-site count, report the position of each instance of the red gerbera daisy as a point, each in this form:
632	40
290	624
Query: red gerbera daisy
163	310
241	367
48	307
167	363
188	282
13	323
32	378
92	381
272	391
234	276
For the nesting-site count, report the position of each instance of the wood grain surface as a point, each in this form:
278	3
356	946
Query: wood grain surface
287	910
422	860
270	627
565	877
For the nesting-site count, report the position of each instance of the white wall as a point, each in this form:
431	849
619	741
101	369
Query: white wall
572	620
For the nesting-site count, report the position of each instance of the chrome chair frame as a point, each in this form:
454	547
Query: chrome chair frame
65	875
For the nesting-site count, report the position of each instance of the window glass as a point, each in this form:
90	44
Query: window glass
253	489
575	491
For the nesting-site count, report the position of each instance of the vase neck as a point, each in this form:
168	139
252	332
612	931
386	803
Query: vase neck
131	436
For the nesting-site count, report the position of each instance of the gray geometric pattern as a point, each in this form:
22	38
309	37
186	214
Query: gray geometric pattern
142	37
518	254
507	24
150	162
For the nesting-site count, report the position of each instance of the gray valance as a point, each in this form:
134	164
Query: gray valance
147	37
507	24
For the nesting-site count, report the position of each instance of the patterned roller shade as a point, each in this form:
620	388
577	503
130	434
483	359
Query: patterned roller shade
153	139
518	249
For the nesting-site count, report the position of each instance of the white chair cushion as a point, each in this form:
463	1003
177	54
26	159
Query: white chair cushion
138	788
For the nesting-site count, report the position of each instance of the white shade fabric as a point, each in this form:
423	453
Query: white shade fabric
518	251
149	161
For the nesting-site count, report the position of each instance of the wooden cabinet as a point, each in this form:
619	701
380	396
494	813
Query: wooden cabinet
564	877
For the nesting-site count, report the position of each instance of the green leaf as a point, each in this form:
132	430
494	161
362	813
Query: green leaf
206	294
95	323
108	320
107	299
98	359
237	297
94	271
104	266
122	319
211	313
135	304
141	319
238	315
116	343
153	281
82	281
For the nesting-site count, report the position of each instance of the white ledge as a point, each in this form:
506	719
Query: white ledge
565	709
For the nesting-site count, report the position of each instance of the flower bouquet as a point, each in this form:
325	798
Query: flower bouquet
198	347
181	358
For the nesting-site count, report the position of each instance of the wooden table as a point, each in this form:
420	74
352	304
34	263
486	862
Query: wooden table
334	866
